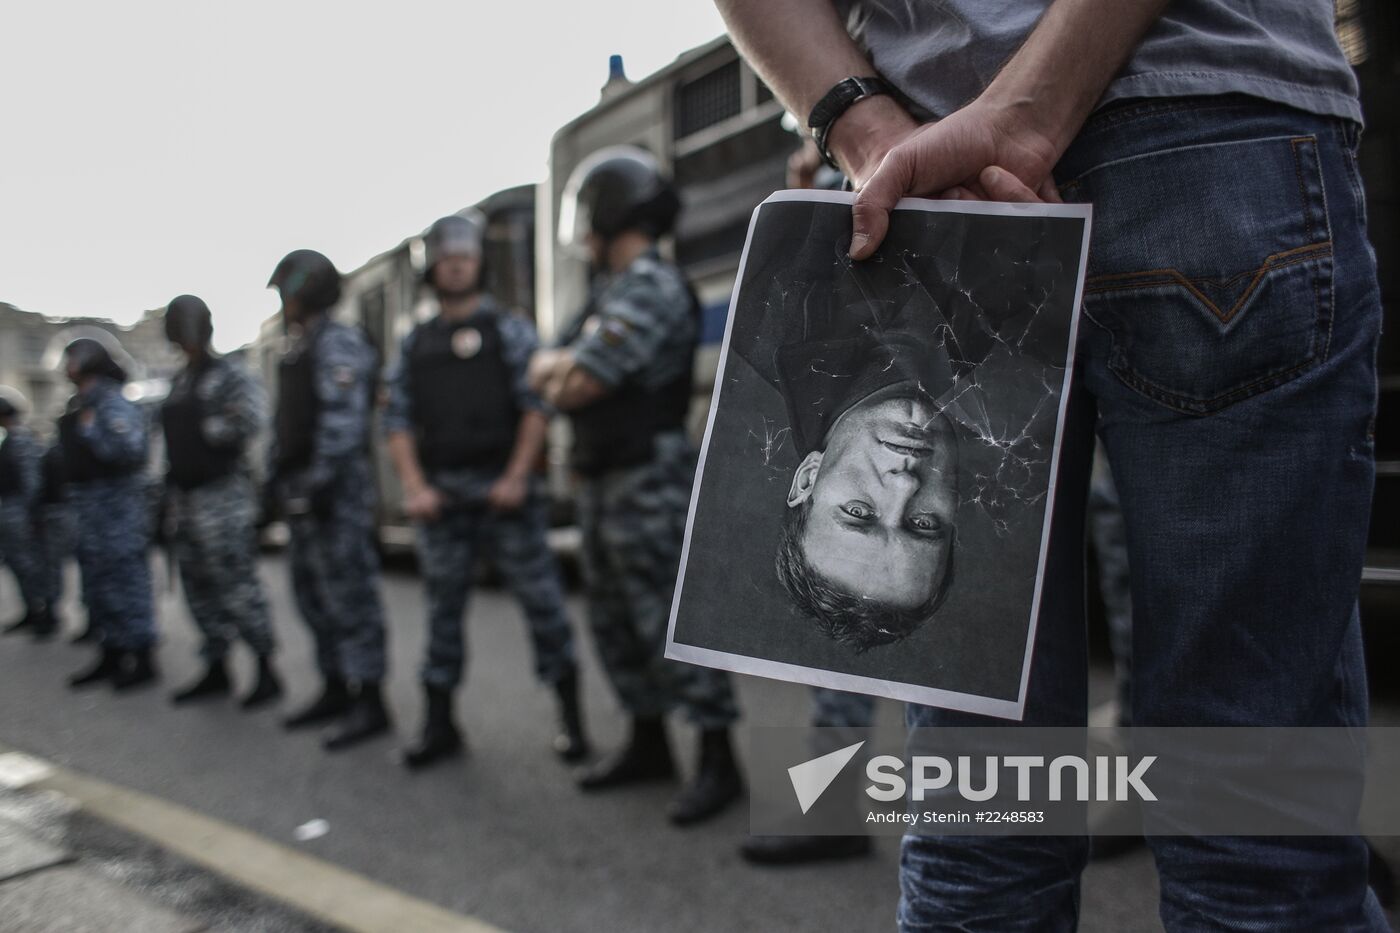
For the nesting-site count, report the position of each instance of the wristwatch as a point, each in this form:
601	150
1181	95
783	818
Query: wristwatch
836	102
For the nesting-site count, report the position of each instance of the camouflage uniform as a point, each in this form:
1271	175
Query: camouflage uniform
639	326
215	540
330	507
112	514
20	543
468	527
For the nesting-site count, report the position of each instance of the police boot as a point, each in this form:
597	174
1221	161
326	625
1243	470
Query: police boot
570	744
645	757
441	738
214	683
136	669
107	663
267	688
366	719
331	704
715	786
44	625
800	850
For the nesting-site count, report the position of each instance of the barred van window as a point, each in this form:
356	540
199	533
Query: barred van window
707	100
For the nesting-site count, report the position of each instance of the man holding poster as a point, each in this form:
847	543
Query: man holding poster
1227	361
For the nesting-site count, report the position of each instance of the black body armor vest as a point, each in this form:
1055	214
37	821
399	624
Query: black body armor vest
55	474
297	407
79	462
619	431
194	462
462	403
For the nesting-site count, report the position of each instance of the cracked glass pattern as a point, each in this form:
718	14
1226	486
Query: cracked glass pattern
971	312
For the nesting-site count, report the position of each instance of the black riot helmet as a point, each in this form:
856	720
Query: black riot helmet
13	404
309	277
454	235
613	190
88	356
188	322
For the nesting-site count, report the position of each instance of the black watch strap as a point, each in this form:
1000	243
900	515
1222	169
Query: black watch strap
836	102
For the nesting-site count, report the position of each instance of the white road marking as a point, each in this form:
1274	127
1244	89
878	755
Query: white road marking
313	886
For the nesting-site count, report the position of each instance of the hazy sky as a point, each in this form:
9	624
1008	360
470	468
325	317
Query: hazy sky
154	147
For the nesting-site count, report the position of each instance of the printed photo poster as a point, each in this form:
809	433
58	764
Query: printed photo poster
871	509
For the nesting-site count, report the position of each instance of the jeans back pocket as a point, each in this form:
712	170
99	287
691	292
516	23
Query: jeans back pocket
1210	267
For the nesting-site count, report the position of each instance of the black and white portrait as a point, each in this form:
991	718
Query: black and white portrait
876	478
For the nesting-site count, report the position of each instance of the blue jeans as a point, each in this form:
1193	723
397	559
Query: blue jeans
1228	354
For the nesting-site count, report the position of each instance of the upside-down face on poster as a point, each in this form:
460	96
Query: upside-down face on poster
872	506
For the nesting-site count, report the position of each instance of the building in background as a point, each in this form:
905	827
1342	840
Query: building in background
31	345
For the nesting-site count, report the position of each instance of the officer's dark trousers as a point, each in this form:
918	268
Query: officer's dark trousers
633	523
335	580
113	537
515	543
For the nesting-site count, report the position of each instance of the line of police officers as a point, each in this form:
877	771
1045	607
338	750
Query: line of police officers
468	407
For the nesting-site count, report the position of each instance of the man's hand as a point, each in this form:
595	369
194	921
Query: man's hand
561	382
508	493
980	152
422	503
544	366
863	135
1019	126
1021	123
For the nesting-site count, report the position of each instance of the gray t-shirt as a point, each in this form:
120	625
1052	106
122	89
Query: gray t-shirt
943	53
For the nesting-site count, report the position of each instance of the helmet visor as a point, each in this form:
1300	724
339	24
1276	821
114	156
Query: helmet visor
575	215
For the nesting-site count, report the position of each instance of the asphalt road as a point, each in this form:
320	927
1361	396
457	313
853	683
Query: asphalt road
501	835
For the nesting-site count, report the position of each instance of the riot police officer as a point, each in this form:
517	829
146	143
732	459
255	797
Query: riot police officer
321	477
624	373
214	409
104	443
465	432
21	485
